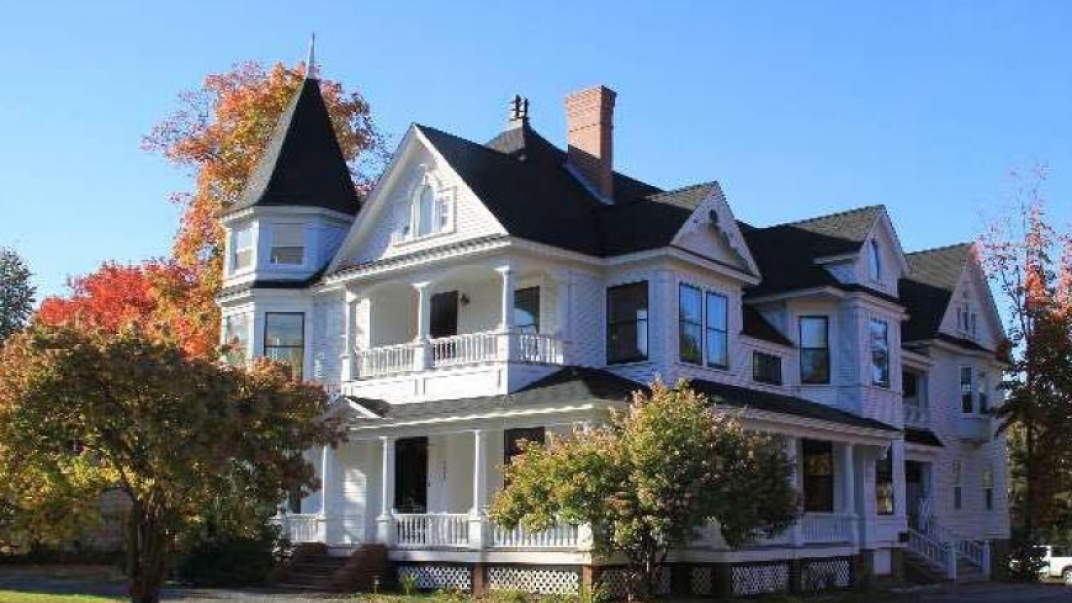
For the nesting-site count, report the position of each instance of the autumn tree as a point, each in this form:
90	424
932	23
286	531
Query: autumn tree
651	477
16	293
82	411
219	132
1031	264
157	298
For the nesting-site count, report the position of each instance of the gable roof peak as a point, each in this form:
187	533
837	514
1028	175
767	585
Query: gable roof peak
865	210
302	164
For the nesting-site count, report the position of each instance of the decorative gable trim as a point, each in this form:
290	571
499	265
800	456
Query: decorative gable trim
715	215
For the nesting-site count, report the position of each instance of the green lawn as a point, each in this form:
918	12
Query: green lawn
10	596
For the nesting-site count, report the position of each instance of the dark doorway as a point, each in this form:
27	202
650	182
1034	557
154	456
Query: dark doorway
411	475
915	489
444	315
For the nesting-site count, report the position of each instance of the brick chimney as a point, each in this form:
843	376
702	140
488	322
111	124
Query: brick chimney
590	136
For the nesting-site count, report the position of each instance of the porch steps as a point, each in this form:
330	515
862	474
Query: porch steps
920	571
312	568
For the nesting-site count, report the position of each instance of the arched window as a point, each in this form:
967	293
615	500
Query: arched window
425	210
876	261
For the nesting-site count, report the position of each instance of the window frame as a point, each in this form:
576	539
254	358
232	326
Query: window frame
813	482
885	498
251	249
825	350
265	345
885	326
757	377
510	448
988	488
644	334
958	489
967	390
875	259
708	331
247	351
982	392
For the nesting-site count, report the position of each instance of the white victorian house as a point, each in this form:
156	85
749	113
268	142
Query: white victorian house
485	293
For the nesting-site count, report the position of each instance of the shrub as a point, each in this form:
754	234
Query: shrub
229	561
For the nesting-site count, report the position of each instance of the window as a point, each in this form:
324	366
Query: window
988	488
766	368
910	385
288	245
242	256
527	310
958	493
880	353
981	391
966	405
818	461
876	261
236	338
425	210
690	324
627	323
514	437
814	349
284	339
884	484
718	353
429	213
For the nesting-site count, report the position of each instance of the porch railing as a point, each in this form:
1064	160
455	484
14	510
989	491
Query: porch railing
301	527
458	350
940	555
826	528
431	530
561	536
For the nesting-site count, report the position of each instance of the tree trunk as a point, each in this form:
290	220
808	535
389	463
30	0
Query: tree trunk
147	554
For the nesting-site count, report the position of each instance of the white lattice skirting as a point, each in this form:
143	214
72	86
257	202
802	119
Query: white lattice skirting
532	580
760	579
438	577
701	581
614	582
825	574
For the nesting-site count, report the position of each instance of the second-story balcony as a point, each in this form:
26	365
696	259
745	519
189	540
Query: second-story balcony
469	330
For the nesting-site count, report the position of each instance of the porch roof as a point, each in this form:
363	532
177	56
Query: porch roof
925	437
581	384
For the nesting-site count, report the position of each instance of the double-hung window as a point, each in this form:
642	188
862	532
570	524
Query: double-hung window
818	464
627	323
242	255
288	245
284	339
988	488
958	490
512	446
236	338
718	353
875	261
527	310
982	392
814	349
690	324
884	485
880	353
967	405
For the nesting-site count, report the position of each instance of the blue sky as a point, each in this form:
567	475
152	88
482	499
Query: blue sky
797	108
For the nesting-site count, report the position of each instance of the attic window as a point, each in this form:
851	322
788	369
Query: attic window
876	261
430	214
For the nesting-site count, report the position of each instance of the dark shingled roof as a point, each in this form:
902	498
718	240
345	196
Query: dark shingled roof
523	180
580	385
786	253
925	437
302	163
756	326
926	292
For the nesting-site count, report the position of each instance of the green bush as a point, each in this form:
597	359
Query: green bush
229	561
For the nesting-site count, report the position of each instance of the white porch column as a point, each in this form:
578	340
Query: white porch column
480	492
385	522
327	457
848	470
792	452
349	317
422	358
564	282
900	494
506	326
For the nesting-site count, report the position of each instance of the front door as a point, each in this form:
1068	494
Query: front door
444	315
915	490
411	475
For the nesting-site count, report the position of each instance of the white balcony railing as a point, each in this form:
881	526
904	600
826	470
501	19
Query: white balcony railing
413	530
458	350
916	414
827	528
561	536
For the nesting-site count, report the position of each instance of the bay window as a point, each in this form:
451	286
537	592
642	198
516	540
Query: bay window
766	368
284	339
718	353
814	349
690	324
288	245
967	405
880	353
982	392
242	252
627	323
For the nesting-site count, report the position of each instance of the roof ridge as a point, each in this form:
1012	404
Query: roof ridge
855	210
681	189
940	248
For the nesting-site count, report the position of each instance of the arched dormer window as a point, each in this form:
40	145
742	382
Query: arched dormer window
429	214
875	260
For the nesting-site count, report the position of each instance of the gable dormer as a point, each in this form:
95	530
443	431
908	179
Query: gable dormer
298	203
869	253
972	314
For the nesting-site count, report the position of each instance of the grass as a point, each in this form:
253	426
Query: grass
10	596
